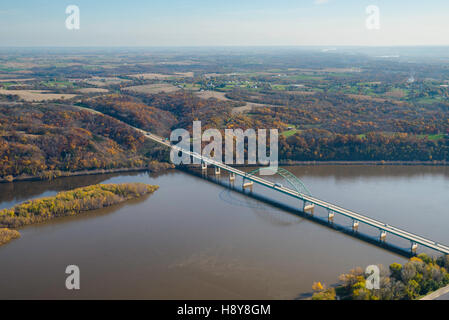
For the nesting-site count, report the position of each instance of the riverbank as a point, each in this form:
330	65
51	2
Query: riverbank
364	163
436	294
153	166
156	166
68	203
421	276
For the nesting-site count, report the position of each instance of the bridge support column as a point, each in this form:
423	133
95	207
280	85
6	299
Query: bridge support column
231	176
414	248
203	166
248	185
355	225
217	171
330	217
308	208
383	235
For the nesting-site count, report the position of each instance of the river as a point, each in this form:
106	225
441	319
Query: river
194	239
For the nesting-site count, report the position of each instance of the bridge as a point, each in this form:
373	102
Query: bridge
309	202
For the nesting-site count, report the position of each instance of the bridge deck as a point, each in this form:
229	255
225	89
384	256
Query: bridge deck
331	207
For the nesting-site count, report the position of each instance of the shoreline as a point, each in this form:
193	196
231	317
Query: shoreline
436	294
282	163
364	163
73	174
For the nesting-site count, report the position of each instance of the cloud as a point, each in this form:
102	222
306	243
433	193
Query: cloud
321	1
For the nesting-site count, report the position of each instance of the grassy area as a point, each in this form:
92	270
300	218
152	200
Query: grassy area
280	87
397	93
57	84
289	133
6	85
9	69
191	86
428	100
433	137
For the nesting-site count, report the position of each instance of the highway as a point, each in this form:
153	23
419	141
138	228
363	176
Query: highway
414	238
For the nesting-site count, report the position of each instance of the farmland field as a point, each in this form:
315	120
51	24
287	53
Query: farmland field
36	95
152	88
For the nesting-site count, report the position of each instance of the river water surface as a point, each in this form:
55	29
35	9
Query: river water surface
194	239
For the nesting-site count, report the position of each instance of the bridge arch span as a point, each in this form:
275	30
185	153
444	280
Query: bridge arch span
291	179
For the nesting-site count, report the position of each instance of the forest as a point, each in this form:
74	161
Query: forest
133	112
382	132
323	145
48	140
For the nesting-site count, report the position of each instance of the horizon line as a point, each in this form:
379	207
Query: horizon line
235	46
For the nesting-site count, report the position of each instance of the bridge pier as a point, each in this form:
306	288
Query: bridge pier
308	208
414	248
217	171
231	176
203	166
355	226
330	217
248	185
383	235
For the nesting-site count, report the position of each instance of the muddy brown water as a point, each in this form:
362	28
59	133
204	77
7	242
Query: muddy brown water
193	239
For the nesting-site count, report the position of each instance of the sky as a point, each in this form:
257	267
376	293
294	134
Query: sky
140	23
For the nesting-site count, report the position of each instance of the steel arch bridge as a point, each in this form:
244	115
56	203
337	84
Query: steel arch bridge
292	180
